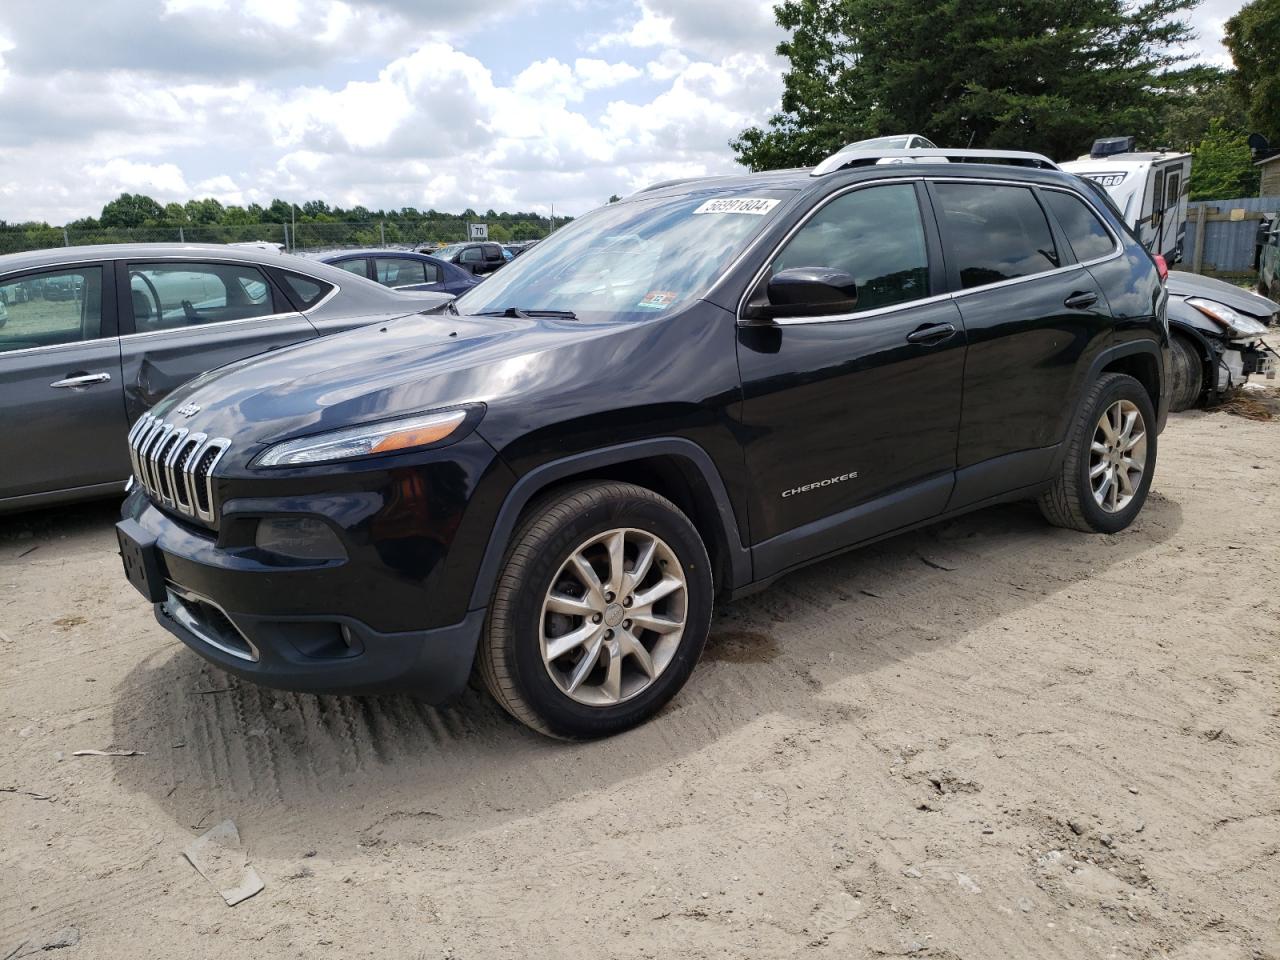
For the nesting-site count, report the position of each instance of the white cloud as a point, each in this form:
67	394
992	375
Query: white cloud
600	74
127	176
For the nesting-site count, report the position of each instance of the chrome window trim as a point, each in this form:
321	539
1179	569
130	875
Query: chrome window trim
209	326
59	346
935	298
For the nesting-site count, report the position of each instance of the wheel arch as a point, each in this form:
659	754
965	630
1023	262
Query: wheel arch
675	467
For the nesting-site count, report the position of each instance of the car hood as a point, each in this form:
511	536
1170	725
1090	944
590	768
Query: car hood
372	373
1182	284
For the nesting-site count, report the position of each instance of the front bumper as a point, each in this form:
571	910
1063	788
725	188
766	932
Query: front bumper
259	635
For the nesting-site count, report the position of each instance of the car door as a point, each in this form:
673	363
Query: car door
60	387
1035	318
471	259
182	317
849	421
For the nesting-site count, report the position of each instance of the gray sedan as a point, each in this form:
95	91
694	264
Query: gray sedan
94	336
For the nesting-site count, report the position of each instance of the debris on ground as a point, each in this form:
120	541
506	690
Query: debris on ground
936	564
66	937
108	753
219	858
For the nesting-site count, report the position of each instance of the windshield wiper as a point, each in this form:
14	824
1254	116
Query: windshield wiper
518	313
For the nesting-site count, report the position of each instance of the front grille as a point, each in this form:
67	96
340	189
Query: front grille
175	466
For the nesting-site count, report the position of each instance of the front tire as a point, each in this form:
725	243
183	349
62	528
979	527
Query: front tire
600	613
1110	458
1186	375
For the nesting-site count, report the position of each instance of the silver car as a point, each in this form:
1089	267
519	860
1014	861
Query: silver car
94	336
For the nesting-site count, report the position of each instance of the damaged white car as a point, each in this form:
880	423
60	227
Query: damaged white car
1217	332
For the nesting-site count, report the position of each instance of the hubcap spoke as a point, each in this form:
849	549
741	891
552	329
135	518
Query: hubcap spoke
645	620
585	665
636	649
644	560
612	686
663	588
587	574
558	647
617	554
571	606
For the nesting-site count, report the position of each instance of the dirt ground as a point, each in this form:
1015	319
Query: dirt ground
988	739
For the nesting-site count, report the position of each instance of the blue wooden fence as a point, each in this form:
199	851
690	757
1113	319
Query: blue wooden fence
1220	234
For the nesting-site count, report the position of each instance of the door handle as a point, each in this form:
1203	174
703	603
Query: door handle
933	333
82	380
1079	301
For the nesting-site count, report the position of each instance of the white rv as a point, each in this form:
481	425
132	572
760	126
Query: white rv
1150	189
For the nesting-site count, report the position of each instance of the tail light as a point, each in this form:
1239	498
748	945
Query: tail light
1162	268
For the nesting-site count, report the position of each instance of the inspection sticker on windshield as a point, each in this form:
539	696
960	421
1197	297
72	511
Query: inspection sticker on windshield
658	300
758	206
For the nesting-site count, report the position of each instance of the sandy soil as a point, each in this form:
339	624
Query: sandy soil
986	739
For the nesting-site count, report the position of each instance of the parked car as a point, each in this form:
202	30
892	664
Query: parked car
554	476
1268	257
96	335
1217	331
476	258
515	249
404	270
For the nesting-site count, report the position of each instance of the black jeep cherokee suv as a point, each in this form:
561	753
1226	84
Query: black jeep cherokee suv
677	397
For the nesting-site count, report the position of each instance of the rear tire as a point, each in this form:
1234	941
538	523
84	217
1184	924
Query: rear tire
1111	455
1186	375
600	613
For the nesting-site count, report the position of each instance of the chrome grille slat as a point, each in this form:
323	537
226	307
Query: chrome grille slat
175	466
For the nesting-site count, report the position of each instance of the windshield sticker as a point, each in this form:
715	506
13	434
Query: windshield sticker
758	206
658	300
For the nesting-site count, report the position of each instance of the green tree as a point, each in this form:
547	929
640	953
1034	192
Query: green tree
1029	74
1253	37
131	210
1222	166
1201	95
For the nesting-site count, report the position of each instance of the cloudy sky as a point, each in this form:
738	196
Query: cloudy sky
515	104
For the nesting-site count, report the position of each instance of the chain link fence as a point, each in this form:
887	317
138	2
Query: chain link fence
299	236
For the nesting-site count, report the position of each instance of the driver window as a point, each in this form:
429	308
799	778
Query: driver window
166	296
45	309
874	235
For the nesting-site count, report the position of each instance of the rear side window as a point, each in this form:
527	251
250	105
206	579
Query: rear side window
305	292
875	236
44	309
353	266
1089	239
400	271
166	296
994	233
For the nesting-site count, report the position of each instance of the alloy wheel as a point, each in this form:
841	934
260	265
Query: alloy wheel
1117	456
613	617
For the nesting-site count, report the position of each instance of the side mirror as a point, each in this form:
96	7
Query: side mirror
804	292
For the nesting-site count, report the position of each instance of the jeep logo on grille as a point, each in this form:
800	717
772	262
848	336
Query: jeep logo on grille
188	409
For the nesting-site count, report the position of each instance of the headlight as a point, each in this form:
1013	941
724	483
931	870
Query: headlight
387	436
1233	321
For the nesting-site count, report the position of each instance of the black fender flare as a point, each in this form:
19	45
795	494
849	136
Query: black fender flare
541	477
1107	356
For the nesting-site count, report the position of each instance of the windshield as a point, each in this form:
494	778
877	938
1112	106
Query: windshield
445	253
629	260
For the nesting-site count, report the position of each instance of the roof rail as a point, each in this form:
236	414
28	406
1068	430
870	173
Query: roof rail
854	156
